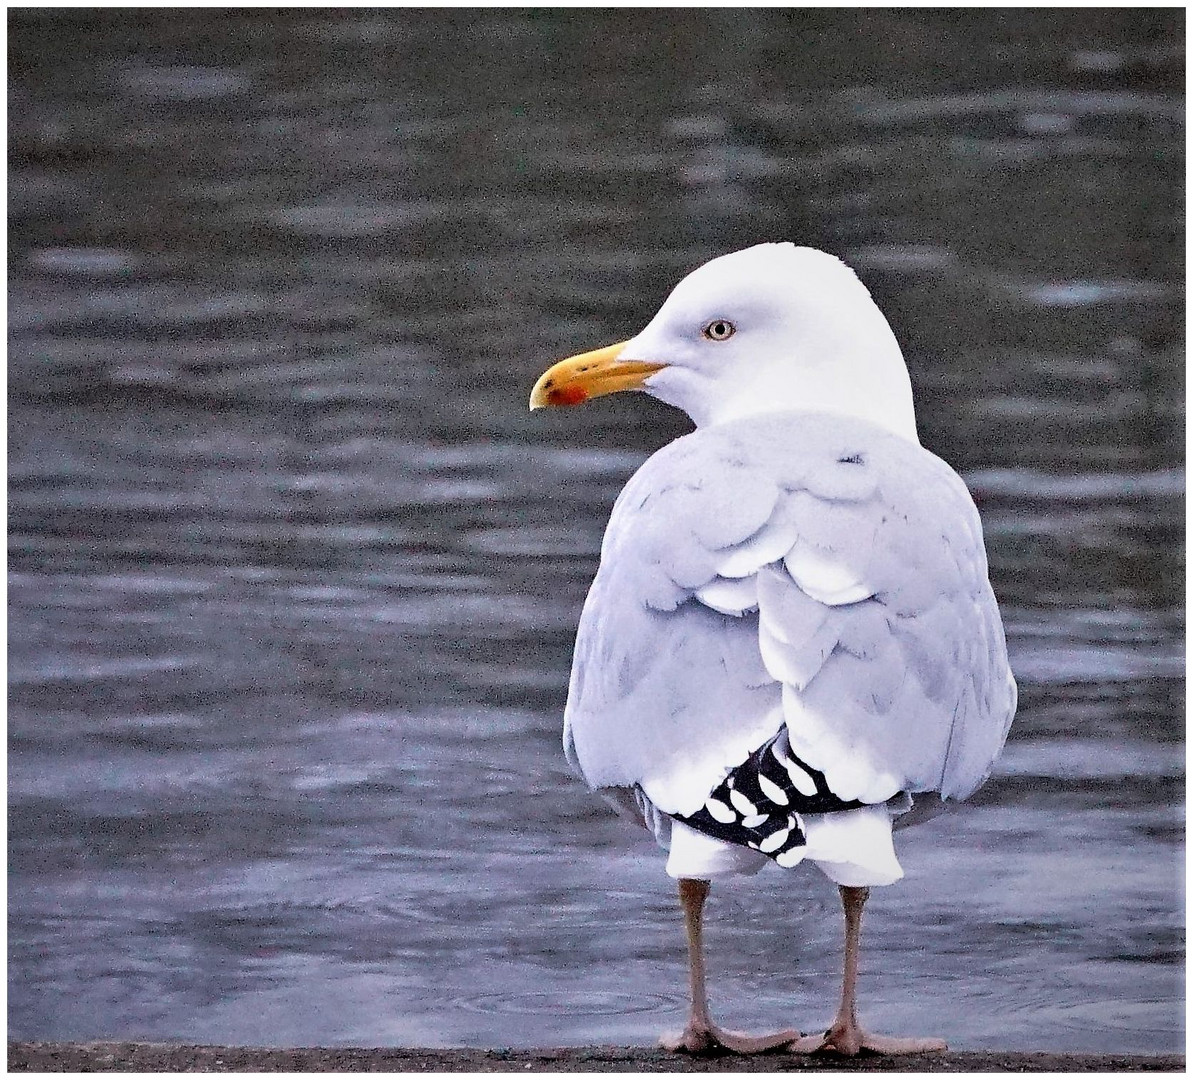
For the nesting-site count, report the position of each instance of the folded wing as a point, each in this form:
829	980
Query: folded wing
797	570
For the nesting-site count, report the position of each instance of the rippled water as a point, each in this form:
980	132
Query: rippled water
294	575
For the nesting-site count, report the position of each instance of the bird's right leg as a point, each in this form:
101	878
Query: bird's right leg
846	1036
702	1036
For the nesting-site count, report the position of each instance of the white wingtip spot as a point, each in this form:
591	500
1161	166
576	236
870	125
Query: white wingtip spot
720	812
742	804
772	791
774	841
804	784
791	858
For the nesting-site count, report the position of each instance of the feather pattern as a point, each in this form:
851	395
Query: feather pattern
807	575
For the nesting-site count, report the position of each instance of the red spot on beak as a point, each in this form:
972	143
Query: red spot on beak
569	395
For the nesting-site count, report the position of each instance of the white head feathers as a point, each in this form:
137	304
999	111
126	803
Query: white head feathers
775	327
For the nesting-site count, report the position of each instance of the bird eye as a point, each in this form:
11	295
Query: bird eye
719	330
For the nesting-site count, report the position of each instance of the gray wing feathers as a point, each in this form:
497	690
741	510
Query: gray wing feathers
798	569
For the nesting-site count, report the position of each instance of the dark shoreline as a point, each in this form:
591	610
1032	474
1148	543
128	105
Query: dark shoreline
163	1057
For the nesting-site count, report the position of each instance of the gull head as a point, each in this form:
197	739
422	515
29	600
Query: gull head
772	328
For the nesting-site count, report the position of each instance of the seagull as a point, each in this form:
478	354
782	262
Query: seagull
791	644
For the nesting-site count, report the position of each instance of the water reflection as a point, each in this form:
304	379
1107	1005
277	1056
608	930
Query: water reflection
294	574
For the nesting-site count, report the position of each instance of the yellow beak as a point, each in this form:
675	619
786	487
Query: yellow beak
590	375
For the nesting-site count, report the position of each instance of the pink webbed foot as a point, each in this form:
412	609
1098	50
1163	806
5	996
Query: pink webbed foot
708	1040
849	1040
846	1037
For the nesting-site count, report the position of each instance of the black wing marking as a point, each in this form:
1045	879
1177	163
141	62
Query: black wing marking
758	805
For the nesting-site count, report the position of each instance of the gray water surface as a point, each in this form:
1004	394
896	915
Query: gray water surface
294	575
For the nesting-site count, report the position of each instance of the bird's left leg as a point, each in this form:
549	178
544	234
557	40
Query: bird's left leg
846	1036
702	1036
